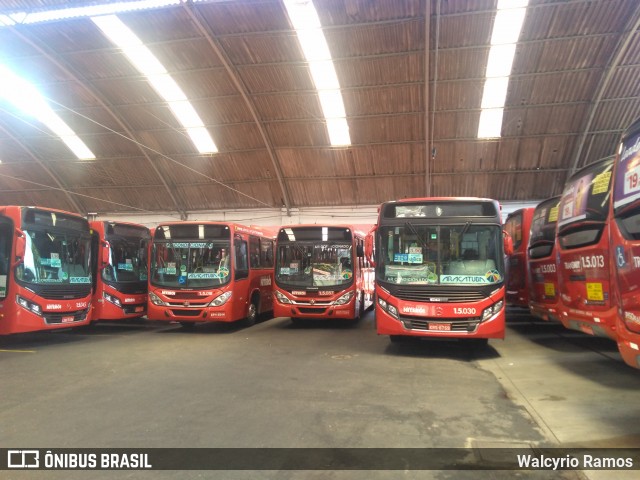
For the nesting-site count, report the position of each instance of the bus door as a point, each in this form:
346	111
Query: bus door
6	245
517	225
241	284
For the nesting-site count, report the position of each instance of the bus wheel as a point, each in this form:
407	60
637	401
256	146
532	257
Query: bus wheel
361	307
252	313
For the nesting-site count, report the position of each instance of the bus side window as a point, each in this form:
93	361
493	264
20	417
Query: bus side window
254	248
266	253
242	266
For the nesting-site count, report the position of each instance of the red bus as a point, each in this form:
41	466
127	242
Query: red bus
321	272
517	225
439	269
210	272
120	267
582	238
625	244
45	269
543	281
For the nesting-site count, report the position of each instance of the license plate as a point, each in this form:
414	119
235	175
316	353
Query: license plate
66	319
443	327
139	309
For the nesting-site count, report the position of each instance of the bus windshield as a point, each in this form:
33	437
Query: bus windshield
543	228
414	254
585	205
195	264
314	265
55	257
127	255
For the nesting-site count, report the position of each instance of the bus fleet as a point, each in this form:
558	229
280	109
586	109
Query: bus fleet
431	267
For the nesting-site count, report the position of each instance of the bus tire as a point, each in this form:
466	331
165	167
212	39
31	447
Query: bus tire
252	312
360	307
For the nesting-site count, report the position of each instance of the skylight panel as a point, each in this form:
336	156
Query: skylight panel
142	58
306	22
506	31
26	98
105	8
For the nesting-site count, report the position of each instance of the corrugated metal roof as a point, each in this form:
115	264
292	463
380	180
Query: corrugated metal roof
576	86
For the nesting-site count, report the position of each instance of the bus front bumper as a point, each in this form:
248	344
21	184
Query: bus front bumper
598	324
545	311
190	314
493	327
315	307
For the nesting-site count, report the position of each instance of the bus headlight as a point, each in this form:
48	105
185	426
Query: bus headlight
112	299
220	300
498	306
156	300
27	305
282	298
492	310
387	307
346	298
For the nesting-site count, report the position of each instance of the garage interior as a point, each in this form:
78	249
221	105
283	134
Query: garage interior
411	76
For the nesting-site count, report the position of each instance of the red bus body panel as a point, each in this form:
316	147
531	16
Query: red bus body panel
435	317
625	245
55	313
446	315
192	305
544	295
133	305
320	303
518	225
584	280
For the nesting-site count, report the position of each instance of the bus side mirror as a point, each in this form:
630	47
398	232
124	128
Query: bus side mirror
508	243
359	251
105	254
21	246
368	246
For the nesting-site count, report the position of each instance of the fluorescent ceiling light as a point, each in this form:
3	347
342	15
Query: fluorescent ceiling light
306	22
142	58
25	97
105	8
506	31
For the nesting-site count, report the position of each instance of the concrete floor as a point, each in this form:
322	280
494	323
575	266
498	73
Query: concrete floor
146	385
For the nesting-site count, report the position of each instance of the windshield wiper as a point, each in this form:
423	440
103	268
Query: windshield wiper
414	230
464	229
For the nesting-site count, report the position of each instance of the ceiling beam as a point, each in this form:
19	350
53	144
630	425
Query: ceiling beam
427	112
60	185
619	51
199	23
85	84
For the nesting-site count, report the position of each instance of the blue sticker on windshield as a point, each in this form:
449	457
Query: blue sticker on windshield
182	280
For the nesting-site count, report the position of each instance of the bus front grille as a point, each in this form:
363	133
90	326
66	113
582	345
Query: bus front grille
63	293
140	308
455	324
438	294
312	310
60	318
186	313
